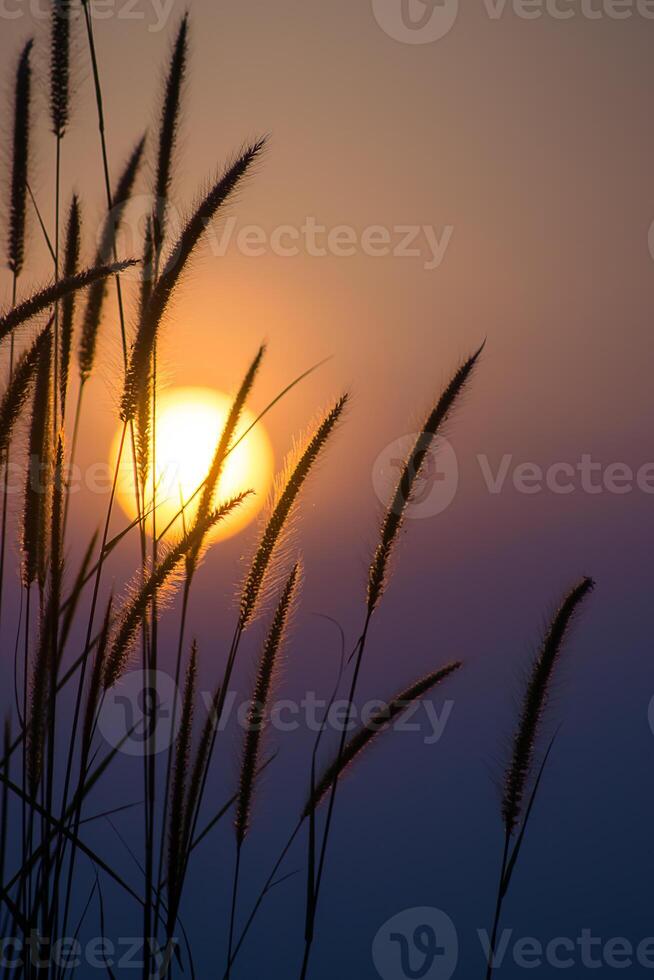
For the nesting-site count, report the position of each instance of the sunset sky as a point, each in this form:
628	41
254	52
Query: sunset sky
515	156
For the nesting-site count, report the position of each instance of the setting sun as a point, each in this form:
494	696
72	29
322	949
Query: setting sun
189	424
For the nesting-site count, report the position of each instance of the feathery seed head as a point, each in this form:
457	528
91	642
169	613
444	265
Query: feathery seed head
71	267
20	162
281	511
98	291
259	704
39	471
136	607
534	702
15	396
54	293
163	289
394	518
168	133
60	65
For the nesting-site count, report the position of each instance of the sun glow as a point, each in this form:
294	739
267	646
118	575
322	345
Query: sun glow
189	424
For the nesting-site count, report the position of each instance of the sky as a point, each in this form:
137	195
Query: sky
512	159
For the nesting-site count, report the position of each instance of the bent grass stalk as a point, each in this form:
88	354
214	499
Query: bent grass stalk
379	722
17	392
52	294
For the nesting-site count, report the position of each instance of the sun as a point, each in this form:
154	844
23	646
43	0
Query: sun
189	424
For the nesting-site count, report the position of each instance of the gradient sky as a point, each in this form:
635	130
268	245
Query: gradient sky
530	139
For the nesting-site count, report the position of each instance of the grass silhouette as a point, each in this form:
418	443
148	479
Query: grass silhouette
51	760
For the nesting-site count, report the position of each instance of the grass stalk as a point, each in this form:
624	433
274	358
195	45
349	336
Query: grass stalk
520	770
256	720
6	464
